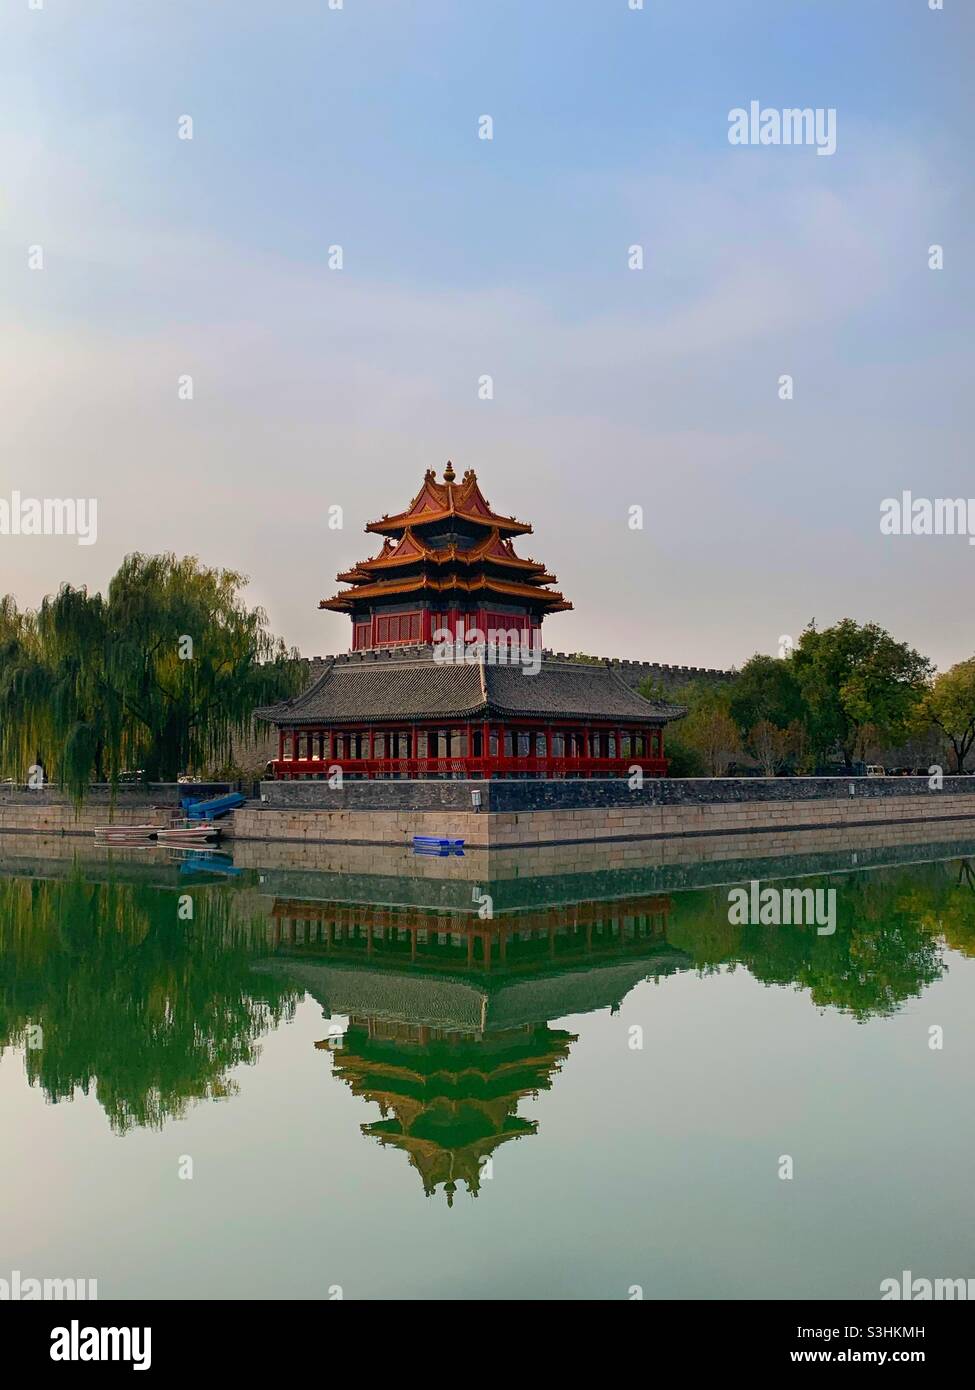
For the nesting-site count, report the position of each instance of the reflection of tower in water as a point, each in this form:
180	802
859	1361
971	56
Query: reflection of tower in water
448	1014
517	942
448	1099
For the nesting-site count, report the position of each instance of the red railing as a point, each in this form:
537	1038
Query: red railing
468	767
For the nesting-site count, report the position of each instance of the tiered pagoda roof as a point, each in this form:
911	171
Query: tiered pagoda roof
449	499
448	542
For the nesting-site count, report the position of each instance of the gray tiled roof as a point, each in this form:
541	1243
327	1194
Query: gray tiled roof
424	689
571	688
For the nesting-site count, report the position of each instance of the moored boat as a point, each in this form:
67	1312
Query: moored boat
188	833
126	834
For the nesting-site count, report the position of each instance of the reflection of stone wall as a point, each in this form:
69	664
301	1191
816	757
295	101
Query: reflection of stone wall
382	866
588	869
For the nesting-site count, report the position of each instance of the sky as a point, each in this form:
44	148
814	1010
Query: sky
463	257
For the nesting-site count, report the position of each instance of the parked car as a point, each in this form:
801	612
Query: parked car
875	770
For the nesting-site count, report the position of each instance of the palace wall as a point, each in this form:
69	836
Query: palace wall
527	814
670	678
603	795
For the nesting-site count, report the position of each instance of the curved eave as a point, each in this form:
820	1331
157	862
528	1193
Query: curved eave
504	713
396	525
361	572
551	599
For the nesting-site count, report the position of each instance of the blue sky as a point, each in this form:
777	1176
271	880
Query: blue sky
462	257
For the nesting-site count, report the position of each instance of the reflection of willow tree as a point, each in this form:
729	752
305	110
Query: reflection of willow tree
885	948
148	1011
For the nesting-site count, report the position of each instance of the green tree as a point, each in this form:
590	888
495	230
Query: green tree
682	759
770	746
852	677
949	704
766	690
709	730
159	675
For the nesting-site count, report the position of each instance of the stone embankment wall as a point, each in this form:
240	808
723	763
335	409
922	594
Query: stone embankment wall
50	811
601	793
534	813
62	819
528	813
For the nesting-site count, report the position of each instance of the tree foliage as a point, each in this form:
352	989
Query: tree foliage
836	691
765	690
159	675
949	704
853	677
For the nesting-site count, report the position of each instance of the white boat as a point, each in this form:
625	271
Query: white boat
189	833
126	834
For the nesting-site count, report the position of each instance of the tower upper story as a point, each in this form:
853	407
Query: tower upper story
447	560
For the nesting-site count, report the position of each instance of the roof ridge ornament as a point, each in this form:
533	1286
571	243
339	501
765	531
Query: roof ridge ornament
448	474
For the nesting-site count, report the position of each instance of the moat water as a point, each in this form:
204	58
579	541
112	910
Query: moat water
282	1076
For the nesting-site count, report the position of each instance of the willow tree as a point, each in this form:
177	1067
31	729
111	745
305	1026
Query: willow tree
26	717
160	675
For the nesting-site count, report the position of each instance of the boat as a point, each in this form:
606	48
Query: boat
439	847
188	832
213	807
126	834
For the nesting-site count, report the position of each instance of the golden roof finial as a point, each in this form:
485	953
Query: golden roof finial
448	473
